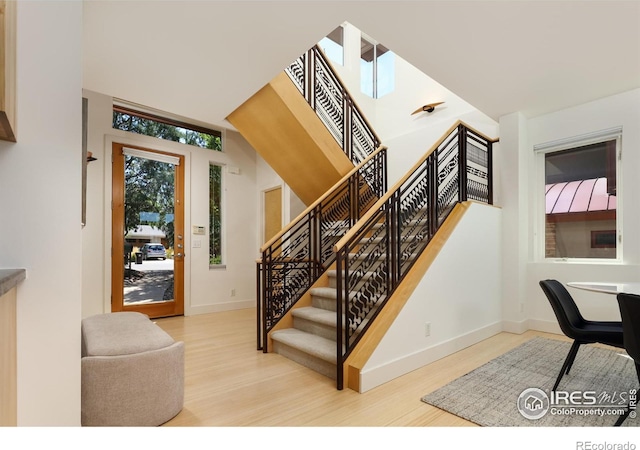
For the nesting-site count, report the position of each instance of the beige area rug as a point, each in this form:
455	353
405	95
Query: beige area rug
514	388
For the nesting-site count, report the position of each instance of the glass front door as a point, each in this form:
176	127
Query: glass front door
148	232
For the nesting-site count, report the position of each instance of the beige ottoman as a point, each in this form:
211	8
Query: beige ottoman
132	371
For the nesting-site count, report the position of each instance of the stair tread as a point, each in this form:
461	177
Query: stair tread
333	273
318	315
309	343
328	292
381	257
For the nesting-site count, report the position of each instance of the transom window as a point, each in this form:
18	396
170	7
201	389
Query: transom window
149	124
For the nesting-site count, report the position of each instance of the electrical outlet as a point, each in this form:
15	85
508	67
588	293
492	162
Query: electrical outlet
427	329
233	292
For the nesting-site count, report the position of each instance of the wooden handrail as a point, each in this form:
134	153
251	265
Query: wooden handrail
333	188
382	200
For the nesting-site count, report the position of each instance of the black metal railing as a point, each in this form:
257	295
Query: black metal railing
294	259
373	258
317	82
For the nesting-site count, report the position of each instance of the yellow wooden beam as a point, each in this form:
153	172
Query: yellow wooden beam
281	126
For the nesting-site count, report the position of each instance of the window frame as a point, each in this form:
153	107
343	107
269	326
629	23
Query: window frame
574	142
222	264
120	106
375	91
166	119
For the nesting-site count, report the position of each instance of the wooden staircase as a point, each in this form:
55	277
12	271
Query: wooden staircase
281	126
382	254
324	149
312	339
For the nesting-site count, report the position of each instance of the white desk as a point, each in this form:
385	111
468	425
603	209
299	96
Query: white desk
607	287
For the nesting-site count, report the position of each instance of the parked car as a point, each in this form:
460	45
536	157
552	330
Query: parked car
153	251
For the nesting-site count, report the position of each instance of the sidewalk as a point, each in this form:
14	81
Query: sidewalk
147	284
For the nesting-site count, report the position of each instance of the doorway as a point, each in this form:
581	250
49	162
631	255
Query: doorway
147	255
272	213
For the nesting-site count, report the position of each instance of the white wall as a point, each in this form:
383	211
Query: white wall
518	136
40	200
206	290
211	289
460	314
407	136
513	194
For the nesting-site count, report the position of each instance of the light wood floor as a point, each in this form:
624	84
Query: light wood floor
229	383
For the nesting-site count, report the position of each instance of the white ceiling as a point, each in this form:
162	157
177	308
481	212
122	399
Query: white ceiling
201	59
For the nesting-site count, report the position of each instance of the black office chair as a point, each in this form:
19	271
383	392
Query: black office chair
576	327
630	313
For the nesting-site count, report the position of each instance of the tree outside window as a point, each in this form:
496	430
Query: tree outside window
215	215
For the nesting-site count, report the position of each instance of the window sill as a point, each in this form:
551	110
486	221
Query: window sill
594	261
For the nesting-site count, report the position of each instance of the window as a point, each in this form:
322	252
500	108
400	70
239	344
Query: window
333	45
149	124
377	71
581	207
215	215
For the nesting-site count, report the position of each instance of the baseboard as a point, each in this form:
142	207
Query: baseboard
219	307
511	326
545	326
375	376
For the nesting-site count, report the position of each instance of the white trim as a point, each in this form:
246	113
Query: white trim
580	140
151	155
515	327
546	326
127	138
221	307
575	142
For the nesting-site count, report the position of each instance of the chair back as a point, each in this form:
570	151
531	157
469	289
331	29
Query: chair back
630	313
564	307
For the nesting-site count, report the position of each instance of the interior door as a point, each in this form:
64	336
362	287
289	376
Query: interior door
147	208
272	213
